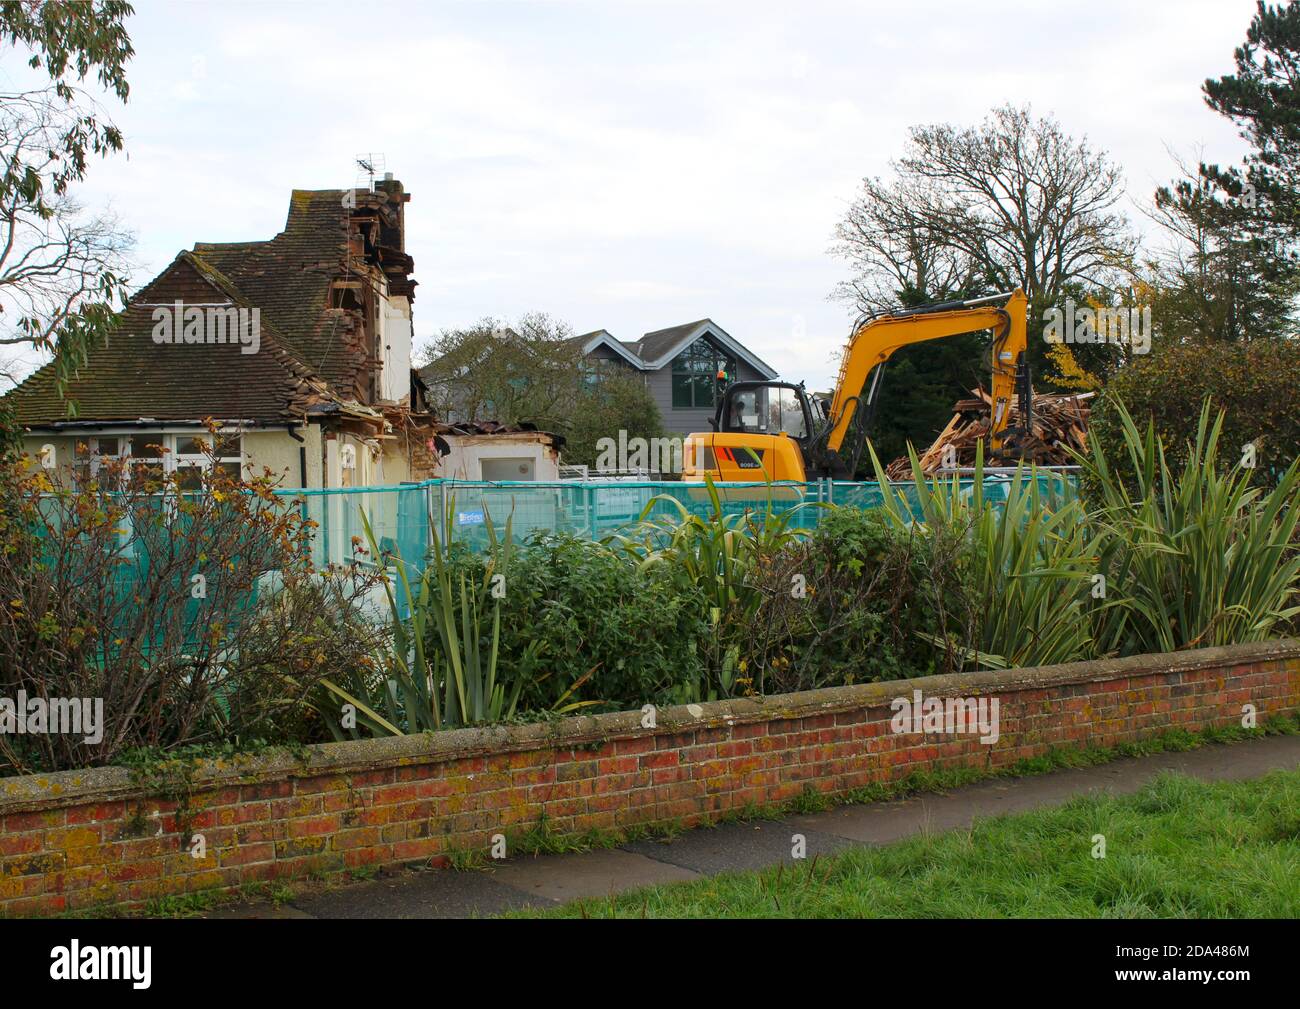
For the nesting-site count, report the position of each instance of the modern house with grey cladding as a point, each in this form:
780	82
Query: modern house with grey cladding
679	366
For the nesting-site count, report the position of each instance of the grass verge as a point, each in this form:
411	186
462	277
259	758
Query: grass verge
1178	848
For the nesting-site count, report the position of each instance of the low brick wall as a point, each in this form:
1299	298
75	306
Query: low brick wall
81	838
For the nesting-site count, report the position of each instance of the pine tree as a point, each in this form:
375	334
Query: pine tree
1263	99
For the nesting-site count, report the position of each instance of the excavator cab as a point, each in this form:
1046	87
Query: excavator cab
761	431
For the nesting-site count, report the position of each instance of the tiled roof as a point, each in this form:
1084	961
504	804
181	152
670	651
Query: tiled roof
657	348
131	377
226	256
655	345
310	358
289	279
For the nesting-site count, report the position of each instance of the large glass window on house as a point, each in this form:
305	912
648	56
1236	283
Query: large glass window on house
695	373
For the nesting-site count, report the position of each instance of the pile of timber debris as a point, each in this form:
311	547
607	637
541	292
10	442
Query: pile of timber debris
1058	420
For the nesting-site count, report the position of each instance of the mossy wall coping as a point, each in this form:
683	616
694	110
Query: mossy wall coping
107	784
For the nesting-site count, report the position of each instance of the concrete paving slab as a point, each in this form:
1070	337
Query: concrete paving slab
596	873
428	894
737	846
883	822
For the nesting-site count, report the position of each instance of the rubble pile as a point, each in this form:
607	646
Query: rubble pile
1058	421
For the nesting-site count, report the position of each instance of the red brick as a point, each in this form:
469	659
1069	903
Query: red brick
266	790
21	844
19	822
314	825
95	812
247	853
637	744
418	849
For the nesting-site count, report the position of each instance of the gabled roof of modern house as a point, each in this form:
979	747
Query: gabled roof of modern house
656	349
602	337
308	361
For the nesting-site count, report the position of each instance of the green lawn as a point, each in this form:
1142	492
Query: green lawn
1179	848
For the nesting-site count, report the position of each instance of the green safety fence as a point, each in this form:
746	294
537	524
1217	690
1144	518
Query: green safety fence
401	517
463	511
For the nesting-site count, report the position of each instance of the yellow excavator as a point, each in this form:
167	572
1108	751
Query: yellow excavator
776	431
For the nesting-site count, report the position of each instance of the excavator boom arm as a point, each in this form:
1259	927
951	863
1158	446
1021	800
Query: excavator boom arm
873	343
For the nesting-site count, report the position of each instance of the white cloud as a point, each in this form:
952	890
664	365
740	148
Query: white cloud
628	166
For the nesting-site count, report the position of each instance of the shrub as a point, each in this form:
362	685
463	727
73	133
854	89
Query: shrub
556	624
632	631
1195	556
1256	384
852	603
720	556
1030	561
168	607
310	625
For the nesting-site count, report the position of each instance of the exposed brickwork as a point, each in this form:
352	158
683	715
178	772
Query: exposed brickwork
77	839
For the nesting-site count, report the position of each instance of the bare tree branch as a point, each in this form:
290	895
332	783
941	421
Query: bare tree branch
1013	202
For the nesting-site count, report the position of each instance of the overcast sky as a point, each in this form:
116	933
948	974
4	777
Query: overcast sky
623	165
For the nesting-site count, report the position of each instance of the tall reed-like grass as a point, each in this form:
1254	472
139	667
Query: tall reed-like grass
1032	559
442	669
1198	556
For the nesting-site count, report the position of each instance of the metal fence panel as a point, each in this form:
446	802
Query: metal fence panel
467	512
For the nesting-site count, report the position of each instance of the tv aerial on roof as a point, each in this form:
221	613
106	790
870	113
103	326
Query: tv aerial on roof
370	165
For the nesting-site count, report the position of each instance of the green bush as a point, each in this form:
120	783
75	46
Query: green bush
852	602
207	626
721	556
1256	384
614	402
630	632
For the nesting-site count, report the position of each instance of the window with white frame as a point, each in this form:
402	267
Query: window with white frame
195	452
152	455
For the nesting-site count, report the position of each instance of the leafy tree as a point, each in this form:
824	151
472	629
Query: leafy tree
529	372
1256	383
612	401
1233	272
1226	274
1263	99
61	272
535	372
918	389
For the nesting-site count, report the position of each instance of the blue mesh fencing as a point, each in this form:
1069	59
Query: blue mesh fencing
401	517
397	514
468	512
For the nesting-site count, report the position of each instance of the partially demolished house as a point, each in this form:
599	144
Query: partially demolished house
488	450
298	346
